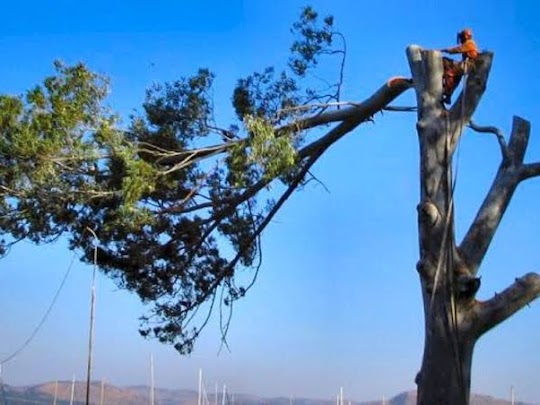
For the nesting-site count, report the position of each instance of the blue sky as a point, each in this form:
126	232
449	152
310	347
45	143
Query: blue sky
338	301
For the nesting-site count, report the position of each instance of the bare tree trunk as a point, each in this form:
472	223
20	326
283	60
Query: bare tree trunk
448	287
454	319
445	376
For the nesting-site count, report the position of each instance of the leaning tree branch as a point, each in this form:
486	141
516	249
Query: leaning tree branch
316	153
357	113
500	138
480	234
502	306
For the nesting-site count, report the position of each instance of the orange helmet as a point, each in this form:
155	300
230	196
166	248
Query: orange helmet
467	33
464	35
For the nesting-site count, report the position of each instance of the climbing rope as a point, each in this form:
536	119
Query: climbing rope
452	322
446	249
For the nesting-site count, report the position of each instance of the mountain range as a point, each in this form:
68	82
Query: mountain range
140	395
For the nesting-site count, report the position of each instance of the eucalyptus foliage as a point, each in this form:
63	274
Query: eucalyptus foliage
178	216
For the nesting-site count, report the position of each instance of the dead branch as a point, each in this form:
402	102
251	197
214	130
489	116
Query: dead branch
529	170
359	111
500	138
400	108
478	238
502	306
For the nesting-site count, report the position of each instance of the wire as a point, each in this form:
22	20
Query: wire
43	318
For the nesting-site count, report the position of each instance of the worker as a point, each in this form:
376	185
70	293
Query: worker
454	70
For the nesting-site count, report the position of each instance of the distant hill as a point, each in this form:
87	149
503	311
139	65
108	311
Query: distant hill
139	395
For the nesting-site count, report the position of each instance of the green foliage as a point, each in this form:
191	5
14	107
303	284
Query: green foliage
274	154
263	95
177	216
45	153
182	107
314	40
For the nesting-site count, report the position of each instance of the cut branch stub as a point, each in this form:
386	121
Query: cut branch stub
426	68
428	213
519	139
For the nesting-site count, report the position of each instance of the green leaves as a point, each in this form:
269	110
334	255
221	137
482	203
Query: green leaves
183	106
176	214
264	95
275	155
314	40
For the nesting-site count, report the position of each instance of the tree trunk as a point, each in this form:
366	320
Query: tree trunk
448	287
445	377
454	319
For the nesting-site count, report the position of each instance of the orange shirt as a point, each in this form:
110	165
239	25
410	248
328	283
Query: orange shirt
467	49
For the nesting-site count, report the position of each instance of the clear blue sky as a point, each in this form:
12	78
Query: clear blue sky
338	301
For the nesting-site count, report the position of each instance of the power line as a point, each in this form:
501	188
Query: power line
43	318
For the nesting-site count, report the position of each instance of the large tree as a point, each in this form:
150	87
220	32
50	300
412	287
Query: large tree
179	216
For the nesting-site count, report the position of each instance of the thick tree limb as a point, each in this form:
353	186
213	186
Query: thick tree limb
359	111
357	114
473	89
500	138
478	238
529	170
502	306
427	71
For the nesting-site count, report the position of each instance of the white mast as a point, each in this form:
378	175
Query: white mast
72	390
512	394
92	312
224	394
152	397
340	395
102	392
55	391
200	387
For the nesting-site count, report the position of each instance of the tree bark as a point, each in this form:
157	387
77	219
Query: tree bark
454	319
445	376
448	287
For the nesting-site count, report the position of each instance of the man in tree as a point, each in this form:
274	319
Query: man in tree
453	70
179	220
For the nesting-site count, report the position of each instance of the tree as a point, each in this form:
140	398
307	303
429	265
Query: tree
454	319
179	217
